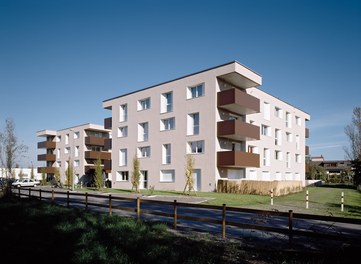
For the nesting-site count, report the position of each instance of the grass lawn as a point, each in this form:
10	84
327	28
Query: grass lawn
34	231
324	200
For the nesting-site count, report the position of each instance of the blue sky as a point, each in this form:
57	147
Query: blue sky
60	59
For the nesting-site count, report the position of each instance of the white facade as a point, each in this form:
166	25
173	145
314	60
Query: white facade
216	116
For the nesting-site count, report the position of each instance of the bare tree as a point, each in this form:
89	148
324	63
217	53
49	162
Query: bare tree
189	174
11	151
353	152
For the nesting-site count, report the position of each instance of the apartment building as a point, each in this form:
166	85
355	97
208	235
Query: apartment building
220	117
81	145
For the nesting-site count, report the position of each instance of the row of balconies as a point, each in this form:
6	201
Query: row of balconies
107	166
232	100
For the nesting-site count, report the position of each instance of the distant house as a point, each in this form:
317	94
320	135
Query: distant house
332	167
20	173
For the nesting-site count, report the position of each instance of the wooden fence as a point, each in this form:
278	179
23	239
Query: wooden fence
287	230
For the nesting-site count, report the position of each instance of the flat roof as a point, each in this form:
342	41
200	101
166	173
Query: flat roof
185	76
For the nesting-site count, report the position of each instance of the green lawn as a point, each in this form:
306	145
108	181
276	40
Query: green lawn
324	200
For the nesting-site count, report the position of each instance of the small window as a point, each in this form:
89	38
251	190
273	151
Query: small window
166	154
278	137
195	147
144	152
167	124
144	104
266	110
67	150
289	137
265	130
76	135
123	131
166	102
288	119
193	124
143	132
278	112
278	155
122	176
123	113
298	120
195	91
167	176
122	157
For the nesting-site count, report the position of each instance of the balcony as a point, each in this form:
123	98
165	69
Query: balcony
237	159
237	130
307	133
94	155
108	123
94	141
239	102
307	150
108	144
46	157
47	144
108	166
50	170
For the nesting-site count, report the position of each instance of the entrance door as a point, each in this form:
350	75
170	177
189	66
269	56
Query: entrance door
143	179
197	179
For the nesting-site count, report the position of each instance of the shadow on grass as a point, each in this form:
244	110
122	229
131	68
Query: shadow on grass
41	231
34	231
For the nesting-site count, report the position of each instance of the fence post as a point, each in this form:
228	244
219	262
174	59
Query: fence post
138	209
29	193
175	214
19	192
224	221
110	205
307	199
40	194
271	196
52	196
67	200
86	200
342	201
290	226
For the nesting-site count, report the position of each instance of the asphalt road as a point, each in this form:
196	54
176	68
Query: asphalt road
160	205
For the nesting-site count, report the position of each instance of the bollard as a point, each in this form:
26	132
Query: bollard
224	221
138	209
110	205
342	201
175	214
271	196
307	199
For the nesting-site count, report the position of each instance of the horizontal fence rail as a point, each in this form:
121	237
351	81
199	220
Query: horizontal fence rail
135	206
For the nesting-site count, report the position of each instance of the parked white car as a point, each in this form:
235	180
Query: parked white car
25	183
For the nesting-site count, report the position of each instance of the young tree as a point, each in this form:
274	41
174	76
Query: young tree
69	174
136	174
353	132
10	149
189	174
57	178
98	177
